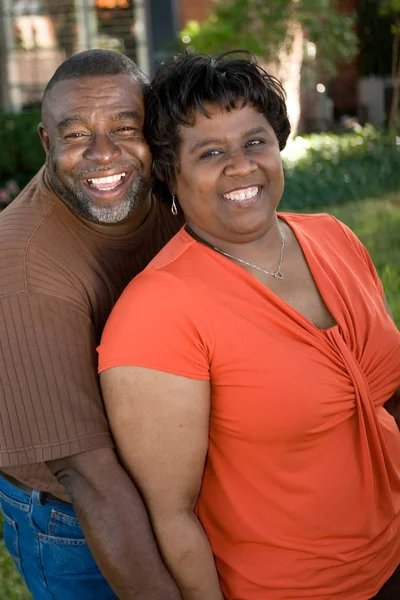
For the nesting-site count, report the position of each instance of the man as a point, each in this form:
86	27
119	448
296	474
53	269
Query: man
83	227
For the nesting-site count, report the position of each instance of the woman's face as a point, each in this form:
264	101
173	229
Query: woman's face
230	179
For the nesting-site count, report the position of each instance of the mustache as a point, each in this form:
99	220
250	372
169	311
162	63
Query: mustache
113	167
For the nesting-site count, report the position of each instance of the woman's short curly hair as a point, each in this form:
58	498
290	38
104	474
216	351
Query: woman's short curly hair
184	86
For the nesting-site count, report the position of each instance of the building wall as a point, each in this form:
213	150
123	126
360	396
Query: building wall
193	9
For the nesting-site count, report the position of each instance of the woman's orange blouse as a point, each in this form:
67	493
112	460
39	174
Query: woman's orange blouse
301	489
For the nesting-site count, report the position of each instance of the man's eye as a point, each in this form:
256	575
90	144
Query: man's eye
126	128
74	135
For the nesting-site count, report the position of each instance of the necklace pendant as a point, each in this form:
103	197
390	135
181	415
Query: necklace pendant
278	275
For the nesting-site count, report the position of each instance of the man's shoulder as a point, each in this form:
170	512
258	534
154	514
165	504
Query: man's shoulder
24	215
34	243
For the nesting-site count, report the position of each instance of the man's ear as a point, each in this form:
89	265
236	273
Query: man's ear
44	137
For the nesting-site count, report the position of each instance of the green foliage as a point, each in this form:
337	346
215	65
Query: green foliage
11	584
389	6
264	26
21	153
377	223
325	169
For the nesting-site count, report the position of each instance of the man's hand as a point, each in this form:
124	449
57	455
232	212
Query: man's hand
115	524
393	407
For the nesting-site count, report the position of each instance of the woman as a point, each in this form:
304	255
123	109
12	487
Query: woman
245	370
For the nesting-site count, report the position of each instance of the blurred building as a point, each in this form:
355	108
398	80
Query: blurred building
37	35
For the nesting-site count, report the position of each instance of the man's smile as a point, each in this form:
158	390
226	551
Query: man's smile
106	183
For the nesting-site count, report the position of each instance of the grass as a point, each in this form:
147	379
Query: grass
11	585
377	224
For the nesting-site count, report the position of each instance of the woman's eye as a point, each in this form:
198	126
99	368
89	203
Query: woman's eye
211	154
255	143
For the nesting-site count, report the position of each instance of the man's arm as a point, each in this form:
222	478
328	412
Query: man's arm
393	407
115	524
160	423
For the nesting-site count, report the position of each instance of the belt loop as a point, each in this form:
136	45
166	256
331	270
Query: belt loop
36	498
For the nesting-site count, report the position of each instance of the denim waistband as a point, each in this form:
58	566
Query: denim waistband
33	496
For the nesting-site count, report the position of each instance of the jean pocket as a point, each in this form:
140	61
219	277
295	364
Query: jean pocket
69	569
64	526
10	535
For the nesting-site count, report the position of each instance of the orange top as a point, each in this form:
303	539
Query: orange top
301	490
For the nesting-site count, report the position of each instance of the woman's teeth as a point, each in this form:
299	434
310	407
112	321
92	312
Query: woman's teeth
243	194
106	183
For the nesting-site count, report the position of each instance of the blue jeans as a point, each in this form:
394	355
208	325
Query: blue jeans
47	545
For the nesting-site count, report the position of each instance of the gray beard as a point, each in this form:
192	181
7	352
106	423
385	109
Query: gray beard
108	215
118	213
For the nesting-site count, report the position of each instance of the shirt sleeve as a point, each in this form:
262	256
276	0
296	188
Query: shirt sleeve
50	401
158	323
363	252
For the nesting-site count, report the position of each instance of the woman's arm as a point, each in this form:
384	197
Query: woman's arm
160	423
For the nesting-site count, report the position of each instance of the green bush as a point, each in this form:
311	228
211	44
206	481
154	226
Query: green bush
325	168
21	154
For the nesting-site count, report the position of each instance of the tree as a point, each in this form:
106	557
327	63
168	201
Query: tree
392	8
274	30
376	40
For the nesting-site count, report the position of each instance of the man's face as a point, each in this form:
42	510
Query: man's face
98	160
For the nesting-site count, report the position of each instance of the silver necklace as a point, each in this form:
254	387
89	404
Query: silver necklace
277	274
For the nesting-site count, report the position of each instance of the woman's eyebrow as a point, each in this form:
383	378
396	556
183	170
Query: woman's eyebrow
255	131
206	142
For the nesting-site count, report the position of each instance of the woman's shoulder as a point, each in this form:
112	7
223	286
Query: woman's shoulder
166	279
177	249
310	219
320	225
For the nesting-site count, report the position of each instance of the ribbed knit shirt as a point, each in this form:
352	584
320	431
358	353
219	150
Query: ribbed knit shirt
59	279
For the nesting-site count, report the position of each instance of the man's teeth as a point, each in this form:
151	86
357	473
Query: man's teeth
244	194
107	183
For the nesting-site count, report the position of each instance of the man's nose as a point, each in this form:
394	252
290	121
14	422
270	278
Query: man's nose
102	149
240	165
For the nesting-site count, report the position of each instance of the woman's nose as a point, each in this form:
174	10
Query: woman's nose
240	165
102	150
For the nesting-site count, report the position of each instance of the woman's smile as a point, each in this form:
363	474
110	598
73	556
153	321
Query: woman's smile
243	197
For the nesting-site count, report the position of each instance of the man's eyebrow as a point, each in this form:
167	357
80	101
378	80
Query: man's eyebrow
64	123
76	119
127	114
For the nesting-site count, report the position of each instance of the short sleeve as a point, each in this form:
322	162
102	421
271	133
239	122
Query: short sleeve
363	252
158	323
50	401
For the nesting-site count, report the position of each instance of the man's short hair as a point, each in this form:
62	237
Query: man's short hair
187	84
96	63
